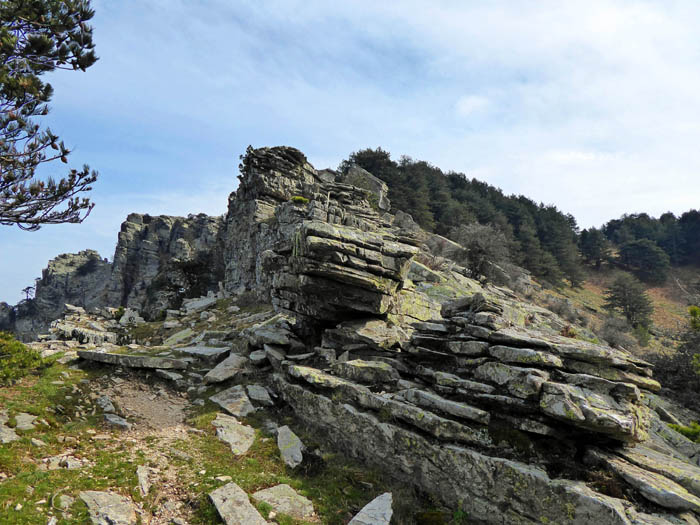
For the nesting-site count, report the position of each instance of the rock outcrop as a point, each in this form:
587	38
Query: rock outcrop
455	387
161	260
78	279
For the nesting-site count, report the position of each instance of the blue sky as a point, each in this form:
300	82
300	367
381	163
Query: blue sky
592	106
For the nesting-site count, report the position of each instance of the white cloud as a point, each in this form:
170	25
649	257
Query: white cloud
469	104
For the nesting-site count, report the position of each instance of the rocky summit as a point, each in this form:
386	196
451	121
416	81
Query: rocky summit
374	340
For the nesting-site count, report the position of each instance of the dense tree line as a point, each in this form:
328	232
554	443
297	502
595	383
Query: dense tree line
677	237
540	238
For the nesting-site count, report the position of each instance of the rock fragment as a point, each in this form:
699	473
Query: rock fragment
259	395
229	430
290	447
230	368
107	508
117	421
376	512
283	498
234	400
234	507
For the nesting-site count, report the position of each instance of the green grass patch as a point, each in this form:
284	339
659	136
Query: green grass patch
691	431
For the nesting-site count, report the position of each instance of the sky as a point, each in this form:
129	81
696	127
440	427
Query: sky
592	106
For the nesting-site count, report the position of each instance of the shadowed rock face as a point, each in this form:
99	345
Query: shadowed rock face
161	260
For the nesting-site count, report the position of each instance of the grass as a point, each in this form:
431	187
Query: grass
30	486
337	486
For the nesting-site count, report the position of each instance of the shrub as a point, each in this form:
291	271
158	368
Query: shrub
641	333
16	360
298	199
566	310
119	313
617	333
485	248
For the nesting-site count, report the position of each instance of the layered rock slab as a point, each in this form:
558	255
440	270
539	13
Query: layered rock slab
493	490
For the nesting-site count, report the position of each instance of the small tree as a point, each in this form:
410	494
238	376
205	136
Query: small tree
484	247
28	292
627	295
37	37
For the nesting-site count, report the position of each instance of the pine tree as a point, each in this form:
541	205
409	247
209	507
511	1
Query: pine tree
627	295
595	248
646	260
37	37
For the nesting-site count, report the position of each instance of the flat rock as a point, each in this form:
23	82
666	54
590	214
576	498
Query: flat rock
107	508
234	400
105	403
376	512
24	421
229	430
258	357
229	368
591	410
525	356
259	395
179	337
168	375
234	507
682	472
198	305
433	401
210	354
132	361
367	372
283	498
115	420
7	435
468	348
290	447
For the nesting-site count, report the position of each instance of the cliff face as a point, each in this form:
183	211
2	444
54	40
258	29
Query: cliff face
458	388
78	278
158	261
161	260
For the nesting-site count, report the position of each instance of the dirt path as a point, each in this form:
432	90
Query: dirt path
158	419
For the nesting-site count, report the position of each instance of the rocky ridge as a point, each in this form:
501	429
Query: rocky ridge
455	387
